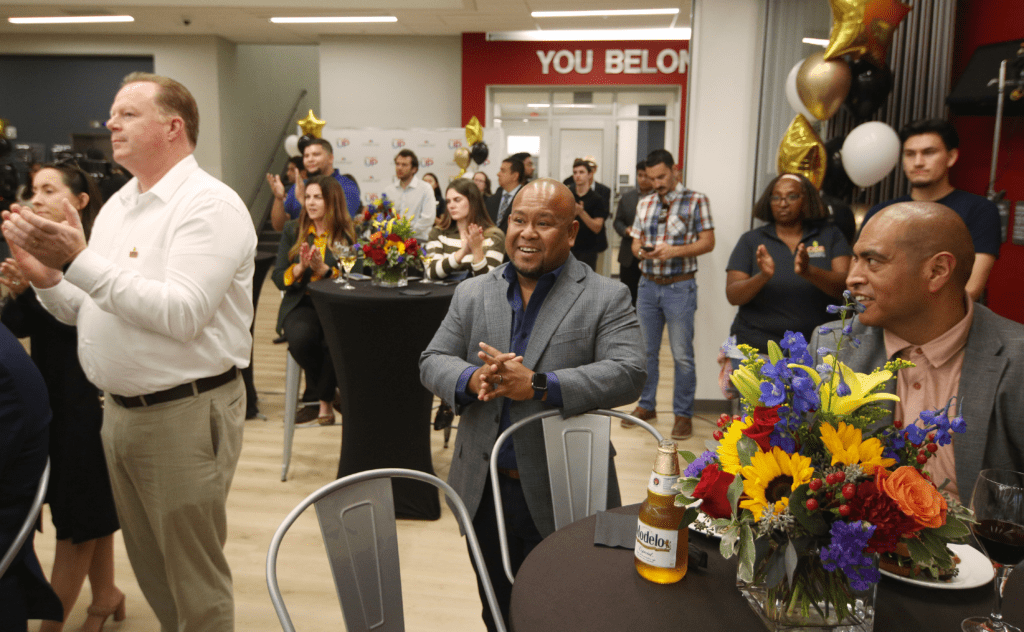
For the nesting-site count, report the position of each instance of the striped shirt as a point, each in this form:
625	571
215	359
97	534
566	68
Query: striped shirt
444	244
688	214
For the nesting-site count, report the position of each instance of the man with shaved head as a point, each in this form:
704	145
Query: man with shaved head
911	267
541	332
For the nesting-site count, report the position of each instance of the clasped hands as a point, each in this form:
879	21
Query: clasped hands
502	375
42	247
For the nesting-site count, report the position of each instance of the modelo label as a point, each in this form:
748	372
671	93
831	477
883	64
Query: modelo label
656	547
661	484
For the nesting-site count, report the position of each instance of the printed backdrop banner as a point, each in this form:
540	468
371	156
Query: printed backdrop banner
368	155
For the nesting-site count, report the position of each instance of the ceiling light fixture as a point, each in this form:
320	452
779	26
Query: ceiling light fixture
598	13
335	19
597	35
815	40
77	19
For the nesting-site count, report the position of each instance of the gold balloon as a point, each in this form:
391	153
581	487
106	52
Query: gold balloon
3	126
462	159
823	85
311	125
864	28
474	132
802	152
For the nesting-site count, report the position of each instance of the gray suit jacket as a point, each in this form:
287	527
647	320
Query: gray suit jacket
587	333
624	217
991	392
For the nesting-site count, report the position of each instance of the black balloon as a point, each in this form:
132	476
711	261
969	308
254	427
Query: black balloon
836	183
304	142
479	152
868	89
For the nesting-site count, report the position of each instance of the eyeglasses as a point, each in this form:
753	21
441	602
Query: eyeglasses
792	197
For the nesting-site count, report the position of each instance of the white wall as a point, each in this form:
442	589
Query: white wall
190	60
720	144
391	82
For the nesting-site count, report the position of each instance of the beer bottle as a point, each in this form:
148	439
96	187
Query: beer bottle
661	546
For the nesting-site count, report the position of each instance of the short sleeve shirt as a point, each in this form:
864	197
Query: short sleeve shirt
980	215
788	301
586	239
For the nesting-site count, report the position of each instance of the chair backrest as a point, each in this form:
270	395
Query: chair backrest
577	451
30	521
357	521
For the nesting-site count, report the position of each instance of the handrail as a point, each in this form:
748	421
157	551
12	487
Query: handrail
273	156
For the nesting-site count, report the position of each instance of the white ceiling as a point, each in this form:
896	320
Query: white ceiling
248	21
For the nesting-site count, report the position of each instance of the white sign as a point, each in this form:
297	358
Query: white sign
631	61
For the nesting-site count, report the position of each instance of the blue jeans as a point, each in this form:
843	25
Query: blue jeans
675	305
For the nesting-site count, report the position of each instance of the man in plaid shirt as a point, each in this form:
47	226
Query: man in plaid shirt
672	228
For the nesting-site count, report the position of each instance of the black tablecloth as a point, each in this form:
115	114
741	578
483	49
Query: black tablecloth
567	583
376	336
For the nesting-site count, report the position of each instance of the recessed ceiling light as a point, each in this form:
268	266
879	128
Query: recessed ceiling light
335	19
78	19
815	40
598	13
599	35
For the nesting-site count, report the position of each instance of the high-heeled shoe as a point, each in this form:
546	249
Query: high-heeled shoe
98	616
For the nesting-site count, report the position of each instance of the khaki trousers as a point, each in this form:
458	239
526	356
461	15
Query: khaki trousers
171	467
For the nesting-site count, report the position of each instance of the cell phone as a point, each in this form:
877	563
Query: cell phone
647	248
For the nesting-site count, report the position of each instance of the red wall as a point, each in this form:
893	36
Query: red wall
981	22
517	64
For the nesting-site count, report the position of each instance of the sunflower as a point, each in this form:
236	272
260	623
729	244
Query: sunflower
847	447
771	477
728	455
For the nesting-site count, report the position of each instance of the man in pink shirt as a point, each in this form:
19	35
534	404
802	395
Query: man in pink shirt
910	269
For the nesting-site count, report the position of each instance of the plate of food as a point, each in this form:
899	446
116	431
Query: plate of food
703	525
971	569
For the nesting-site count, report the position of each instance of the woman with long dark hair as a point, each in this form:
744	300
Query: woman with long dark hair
81	501
304	256
466	242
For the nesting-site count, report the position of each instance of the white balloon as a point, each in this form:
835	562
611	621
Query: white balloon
870	152
291	145
794	97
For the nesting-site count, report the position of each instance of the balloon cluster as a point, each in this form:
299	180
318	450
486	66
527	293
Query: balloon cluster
477	151
851	72
312	128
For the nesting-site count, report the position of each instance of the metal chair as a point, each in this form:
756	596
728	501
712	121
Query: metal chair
577	452
292	377
357	521
30	521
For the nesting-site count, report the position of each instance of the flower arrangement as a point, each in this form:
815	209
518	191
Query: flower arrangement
388	244
810	483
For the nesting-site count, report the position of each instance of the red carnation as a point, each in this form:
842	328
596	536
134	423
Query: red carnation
713	488
411	245
764	423
871	503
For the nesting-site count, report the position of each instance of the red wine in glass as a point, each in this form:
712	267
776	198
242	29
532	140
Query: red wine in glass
1003	541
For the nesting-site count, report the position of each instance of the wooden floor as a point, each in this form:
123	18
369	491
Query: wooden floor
437	577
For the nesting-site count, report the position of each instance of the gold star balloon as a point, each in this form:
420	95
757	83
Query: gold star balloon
864	28
474	132
802	152
311	125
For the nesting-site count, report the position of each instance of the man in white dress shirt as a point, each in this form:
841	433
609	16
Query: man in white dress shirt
162	298
413	197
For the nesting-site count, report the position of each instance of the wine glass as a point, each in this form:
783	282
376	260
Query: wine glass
347	256
428	260
998	504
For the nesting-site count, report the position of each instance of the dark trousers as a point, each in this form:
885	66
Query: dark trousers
307	345
522	538
630	275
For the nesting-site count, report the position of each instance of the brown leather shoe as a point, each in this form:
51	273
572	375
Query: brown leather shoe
683	428
640	413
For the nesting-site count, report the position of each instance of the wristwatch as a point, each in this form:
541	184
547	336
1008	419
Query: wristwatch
540	385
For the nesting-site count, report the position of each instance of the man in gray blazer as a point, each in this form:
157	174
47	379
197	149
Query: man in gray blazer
543	331
910	269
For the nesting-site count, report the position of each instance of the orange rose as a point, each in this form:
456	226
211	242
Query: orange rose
915	496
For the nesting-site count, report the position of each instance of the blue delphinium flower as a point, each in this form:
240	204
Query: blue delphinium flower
694	469
805	395
843	389
845	552
915	434
957	424
773	392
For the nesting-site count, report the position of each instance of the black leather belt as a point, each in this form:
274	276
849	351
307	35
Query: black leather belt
181	391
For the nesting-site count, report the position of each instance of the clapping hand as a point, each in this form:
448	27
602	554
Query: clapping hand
765	261
276	186
801	260
13	278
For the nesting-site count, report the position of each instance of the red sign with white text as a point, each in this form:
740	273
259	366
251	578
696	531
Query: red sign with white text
581	64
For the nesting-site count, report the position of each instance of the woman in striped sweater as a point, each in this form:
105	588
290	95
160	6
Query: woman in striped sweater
465	242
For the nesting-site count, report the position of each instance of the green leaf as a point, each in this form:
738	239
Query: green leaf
686	485
954	529
727	547
746	448
746	554
936	546
774	351
688	517
791	561
776	568
813	521
733	494
918	551
687	456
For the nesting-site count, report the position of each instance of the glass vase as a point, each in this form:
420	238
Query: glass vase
815	600
393	276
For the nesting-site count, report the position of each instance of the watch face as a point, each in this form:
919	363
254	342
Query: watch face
540	380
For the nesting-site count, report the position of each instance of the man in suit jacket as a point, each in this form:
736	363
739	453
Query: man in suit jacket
24	443
629	266
543	331
911	266
511	177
